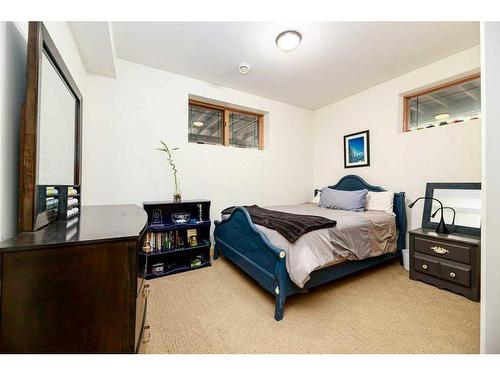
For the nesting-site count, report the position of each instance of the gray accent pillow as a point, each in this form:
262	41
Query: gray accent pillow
343	200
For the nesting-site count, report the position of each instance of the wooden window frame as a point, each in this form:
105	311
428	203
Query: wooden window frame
226	111
407	98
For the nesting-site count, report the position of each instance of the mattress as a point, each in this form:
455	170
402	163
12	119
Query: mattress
357	235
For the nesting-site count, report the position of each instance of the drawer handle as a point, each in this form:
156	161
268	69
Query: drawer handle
424	266
146	334
145	290
439	250
452	274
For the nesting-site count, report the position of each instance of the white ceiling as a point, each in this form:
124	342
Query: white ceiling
334	60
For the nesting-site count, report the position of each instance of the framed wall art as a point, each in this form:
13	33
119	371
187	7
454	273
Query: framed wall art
357	149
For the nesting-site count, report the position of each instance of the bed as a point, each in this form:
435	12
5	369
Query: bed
250	249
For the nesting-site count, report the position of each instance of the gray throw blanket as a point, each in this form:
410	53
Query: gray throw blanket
290	226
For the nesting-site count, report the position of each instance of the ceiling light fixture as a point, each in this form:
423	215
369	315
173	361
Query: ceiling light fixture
288	40
441	116
243	68
198	123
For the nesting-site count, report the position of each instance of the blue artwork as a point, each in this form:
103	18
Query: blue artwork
356	150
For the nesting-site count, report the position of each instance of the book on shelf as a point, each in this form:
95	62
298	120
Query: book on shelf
192	237
146	246
159	241
171	240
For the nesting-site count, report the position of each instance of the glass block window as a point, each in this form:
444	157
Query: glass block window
451	104
214	124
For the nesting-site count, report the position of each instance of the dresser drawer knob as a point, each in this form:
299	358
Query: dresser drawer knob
146	334
452	274
145	290
439	250
424	266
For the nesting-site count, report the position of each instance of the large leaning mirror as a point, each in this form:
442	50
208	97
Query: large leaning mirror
56	128
50	144
462	202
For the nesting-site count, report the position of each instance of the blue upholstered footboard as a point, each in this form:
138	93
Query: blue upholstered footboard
247	247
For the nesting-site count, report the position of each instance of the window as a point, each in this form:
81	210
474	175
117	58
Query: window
205	125
453	103
214	124
243	130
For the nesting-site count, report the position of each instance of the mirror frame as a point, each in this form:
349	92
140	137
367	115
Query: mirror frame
429	192
39	41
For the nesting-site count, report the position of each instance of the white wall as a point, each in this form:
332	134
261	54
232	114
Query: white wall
399	161
128	116
490	236
13	47
12	91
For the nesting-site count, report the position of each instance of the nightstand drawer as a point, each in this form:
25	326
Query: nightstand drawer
446	250
456	273
426	264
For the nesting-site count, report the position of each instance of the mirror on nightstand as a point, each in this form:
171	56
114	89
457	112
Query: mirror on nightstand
462	202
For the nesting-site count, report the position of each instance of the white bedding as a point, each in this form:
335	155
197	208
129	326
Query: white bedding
357	235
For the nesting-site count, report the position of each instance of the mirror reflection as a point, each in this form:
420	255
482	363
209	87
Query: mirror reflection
56	132
465	202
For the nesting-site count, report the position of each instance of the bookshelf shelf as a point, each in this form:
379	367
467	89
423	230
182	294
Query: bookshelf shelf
170	247
187	248
167	227
176	270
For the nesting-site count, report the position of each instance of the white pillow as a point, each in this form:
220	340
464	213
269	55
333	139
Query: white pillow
316	197
380	201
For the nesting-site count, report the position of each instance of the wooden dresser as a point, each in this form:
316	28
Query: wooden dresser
448	261
75	287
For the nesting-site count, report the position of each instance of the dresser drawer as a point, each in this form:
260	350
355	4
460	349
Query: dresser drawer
140	314
446	250
426	264
141	272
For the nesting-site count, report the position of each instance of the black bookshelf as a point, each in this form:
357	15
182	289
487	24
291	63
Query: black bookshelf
171	247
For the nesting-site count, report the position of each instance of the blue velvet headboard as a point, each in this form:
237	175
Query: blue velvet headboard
352	182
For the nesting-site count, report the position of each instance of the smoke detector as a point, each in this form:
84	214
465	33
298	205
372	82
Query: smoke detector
243	68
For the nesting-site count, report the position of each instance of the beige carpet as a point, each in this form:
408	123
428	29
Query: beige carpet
220	310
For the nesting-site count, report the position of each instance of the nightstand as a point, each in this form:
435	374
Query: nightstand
448	261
